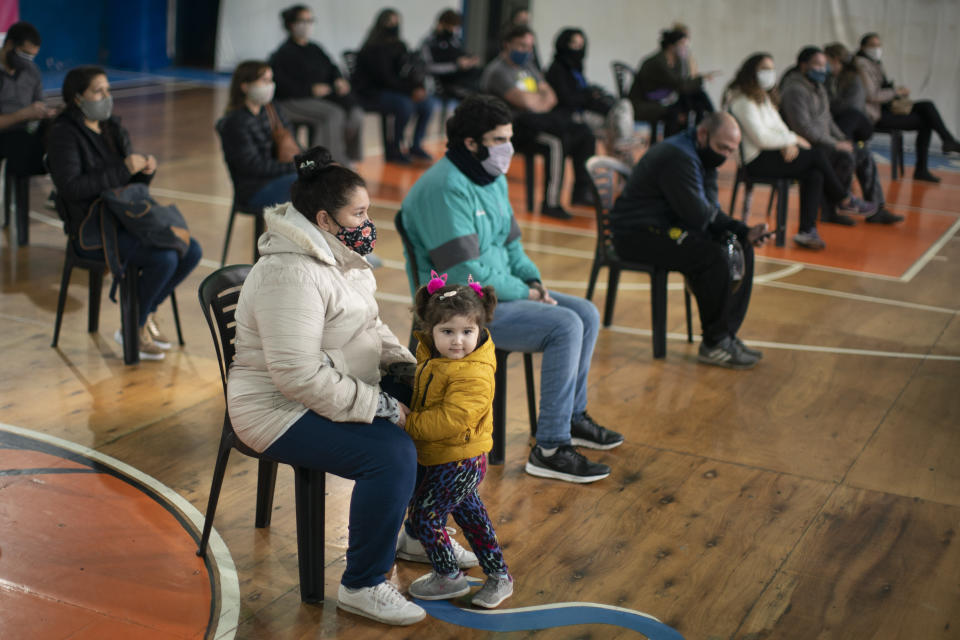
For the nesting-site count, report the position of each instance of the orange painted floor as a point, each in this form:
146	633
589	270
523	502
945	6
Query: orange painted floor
88	554
882	250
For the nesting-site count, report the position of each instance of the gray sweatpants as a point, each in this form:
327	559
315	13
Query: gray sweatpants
340	131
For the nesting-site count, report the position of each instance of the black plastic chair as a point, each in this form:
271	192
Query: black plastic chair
896	151
129	302
258	228
16	195
498	451
219	293
607	175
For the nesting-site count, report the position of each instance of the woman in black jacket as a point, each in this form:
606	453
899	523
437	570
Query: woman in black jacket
88	152
259	179
565	75
311	90
391	80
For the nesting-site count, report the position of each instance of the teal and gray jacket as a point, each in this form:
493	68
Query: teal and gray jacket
461	228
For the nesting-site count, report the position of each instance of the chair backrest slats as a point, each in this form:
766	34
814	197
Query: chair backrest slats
219	293
608	175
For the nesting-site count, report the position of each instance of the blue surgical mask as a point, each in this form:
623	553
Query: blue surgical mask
817	76
519	58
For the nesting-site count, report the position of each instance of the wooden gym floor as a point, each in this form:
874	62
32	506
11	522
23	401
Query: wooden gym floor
817	495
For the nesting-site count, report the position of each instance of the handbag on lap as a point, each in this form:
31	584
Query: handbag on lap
284	144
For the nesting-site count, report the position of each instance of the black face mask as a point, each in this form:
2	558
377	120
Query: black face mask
393	31
710	158
574	57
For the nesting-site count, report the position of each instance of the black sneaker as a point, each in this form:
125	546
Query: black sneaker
726	353
557	212
756	353
565	464
584	432
884	217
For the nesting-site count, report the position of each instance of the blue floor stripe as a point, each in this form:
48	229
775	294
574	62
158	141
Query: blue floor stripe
558	615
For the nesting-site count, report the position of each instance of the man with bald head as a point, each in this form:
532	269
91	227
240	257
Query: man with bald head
668	215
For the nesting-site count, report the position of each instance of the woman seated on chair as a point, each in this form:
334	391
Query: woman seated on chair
771	150
389	79
89	152
260	179
305	387
311	90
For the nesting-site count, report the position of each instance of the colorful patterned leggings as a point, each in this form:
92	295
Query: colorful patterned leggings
451	489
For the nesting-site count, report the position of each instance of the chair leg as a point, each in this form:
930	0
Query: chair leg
226	238
129	316
612	282
94	296
259	226
22	209
529	161
176	316
498	451
266	483
594	273
896	149
7	197
310	535
219	469
686	300
774	195
531	392
658	311
733	195
62	300
783	200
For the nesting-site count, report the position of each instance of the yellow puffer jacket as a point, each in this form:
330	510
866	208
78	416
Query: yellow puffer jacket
451	413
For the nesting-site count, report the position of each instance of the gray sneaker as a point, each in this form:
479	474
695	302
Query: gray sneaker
755	353
409	548
494	591
437	587
809	240
726	353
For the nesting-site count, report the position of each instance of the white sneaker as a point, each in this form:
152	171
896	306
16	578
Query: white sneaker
409	548
148	349
382	603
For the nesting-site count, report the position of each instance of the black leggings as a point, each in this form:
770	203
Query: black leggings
923	118
812	169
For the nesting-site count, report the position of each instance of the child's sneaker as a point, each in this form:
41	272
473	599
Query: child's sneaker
382	603
437	587
409	548
494	591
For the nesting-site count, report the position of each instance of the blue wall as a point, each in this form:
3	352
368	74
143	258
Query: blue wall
123	34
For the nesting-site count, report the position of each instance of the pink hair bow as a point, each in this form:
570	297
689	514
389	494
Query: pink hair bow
474	285
436	282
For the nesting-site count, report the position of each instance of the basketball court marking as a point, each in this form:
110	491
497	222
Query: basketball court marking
224	582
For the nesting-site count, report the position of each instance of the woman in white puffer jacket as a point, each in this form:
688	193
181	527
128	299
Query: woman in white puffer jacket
305	386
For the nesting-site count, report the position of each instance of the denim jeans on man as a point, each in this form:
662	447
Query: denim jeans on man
565	334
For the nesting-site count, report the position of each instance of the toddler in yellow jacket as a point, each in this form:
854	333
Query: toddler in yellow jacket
451	423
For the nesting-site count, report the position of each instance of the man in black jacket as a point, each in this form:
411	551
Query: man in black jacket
668	215
455	73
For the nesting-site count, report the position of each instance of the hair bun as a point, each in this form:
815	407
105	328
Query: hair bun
312	163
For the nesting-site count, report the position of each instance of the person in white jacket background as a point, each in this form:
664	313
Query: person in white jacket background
769	149
306	385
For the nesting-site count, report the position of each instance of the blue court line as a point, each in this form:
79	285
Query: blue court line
561	614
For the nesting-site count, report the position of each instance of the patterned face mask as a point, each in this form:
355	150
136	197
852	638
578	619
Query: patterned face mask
361	239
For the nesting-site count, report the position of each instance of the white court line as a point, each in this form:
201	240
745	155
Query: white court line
932	251
225	626
801	347
857	296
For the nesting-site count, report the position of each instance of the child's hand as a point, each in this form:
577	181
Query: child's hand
404	412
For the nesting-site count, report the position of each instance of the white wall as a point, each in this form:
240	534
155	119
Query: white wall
251	29
921	38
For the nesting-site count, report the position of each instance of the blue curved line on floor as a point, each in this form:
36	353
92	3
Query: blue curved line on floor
557	615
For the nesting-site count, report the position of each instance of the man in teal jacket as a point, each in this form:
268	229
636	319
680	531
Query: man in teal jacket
460	222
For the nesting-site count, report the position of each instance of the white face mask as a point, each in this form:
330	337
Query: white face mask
874	52
498	160
261	94
767	78
301	30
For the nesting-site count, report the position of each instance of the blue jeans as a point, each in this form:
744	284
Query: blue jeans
274	192
161	270
382	460
566	334
402	107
